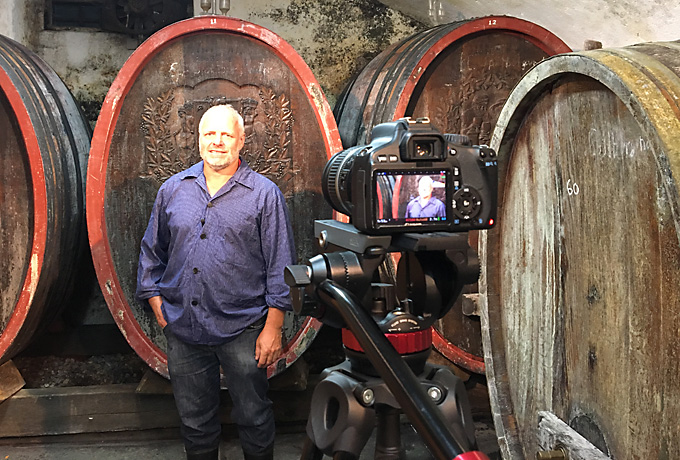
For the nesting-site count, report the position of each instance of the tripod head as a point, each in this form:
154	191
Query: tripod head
342	289
432	270
431	273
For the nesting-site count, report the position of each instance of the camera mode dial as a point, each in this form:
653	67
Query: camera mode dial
460	139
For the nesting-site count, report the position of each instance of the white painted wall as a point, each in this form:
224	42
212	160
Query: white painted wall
86	61
13	20
336	37
615	23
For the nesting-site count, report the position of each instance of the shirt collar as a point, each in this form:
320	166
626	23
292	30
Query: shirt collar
428	202
243	175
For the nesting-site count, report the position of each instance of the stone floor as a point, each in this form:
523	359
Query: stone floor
164	444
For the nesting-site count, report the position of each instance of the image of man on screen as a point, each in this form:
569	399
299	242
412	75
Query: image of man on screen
425	205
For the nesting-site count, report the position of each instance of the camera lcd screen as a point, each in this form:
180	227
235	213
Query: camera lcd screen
411	198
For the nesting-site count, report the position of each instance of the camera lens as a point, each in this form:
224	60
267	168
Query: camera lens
335	180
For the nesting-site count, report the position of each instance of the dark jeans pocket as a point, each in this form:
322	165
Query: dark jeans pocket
259	324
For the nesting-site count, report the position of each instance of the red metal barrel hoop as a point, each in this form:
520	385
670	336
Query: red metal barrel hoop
41	194
533	33
39	236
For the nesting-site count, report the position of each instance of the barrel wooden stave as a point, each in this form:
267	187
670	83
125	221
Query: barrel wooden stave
459	75
15	200
151	120
582	316
470	82
44	158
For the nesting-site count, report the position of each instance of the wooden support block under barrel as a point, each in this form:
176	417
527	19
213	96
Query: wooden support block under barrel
11	380
555	435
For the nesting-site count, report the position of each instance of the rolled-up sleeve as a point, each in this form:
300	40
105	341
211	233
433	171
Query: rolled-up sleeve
278	248
153	256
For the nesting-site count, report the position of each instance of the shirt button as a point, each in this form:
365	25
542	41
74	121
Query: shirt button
195	270
202	221
203	236
194	302
210	204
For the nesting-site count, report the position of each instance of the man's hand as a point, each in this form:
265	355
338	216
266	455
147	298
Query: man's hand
155	303
268	346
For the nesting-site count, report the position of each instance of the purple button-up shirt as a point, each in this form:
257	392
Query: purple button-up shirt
433	208
216	261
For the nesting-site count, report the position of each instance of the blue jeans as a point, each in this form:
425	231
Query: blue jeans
195	377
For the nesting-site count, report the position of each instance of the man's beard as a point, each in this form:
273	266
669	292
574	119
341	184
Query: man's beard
220	161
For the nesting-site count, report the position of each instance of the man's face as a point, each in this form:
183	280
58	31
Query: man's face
425	189
220	140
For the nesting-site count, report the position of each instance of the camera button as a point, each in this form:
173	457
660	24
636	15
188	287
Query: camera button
394	158
382	158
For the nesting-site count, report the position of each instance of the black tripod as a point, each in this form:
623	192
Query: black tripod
386	371
347	405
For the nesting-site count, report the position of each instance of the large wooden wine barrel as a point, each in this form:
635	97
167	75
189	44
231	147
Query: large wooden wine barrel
147	131
582	317
43	155
459	75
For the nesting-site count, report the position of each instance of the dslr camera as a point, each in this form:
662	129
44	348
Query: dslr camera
412	178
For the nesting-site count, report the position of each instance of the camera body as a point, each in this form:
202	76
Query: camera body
412	178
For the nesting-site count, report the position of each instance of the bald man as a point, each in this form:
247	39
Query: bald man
425	205
211	267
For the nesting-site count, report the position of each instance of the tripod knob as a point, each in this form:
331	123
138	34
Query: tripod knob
297	275
406	305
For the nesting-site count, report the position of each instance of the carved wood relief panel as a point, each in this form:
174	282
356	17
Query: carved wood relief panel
171	134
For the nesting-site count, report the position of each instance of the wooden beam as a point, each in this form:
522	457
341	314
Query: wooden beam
114	408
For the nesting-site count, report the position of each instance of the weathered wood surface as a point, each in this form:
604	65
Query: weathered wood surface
579	284
11	380
43	155
147	131
111	408
553	433
459	75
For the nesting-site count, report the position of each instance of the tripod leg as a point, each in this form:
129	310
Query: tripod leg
310	451
388	434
